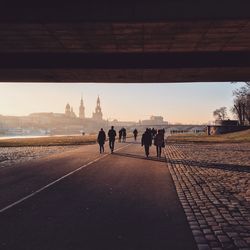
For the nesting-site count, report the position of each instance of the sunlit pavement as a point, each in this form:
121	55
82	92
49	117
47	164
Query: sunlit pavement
214	192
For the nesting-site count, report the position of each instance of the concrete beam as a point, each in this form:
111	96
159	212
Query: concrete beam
128	11
124	60
124	41
220	74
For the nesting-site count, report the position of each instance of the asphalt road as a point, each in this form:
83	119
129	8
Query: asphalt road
83	200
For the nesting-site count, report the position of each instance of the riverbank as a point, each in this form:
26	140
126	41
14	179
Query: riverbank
236	137
49	141
57	140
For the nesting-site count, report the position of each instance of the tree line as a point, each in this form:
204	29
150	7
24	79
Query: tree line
241	106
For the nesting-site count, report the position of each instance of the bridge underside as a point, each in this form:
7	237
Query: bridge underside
136	41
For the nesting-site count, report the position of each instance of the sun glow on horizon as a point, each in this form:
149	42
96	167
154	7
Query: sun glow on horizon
176	102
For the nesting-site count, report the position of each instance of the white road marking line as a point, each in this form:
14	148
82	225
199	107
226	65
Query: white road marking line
54	182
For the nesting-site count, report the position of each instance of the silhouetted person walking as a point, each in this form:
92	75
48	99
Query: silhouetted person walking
124	135
112	135
101	140
135	132
146	141
159	142
120	135
154	132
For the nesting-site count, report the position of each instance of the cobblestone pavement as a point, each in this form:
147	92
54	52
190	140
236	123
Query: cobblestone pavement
213	185
225	153
9	156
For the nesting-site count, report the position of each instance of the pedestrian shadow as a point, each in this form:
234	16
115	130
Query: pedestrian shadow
130	142
150	158
204	164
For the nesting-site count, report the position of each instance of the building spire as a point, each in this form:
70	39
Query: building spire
98	110
81	109
98	101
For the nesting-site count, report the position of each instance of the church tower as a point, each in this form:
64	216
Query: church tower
97	115
81	110
72	113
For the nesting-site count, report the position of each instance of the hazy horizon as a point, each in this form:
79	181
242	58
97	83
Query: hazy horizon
185	103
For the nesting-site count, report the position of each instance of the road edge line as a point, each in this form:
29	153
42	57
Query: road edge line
56	181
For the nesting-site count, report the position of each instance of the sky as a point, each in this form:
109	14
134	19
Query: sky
176	102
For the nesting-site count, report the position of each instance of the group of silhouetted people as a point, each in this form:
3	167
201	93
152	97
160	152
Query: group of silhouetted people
149	136
122	135
102	138
153	135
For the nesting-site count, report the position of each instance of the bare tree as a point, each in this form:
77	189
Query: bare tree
220	114
242	104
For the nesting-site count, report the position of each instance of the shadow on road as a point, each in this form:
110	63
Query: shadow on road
223	166
151	158
131	142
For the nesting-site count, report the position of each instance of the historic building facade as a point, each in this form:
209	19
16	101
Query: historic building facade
69	112
96	116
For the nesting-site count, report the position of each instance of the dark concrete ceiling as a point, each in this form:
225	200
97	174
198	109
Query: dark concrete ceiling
128	41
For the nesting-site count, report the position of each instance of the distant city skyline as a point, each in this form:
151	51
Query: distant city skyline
176	102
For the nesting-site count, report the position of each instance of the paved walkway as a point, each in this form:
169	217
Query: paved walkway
214	191
212	182
80	199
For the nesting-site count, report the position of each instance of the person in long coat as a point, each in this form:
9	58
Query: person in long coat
120	135
124	135
135	132
146	141
159	142
101	140
112	135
